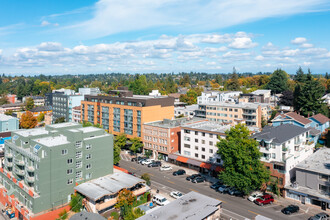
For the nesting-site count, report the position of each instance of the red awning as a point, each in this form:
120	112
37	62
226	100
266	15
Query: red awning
181	159
206	165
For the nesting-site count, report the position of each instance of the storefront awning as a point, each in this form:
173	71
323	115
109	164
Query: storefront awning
206	165
194	162
172	156
182	159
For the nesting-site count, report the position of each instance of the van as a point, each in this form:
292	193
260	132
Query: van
160	200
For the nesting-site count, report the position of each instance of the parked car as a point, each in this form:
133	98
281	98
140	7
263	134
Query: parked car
223	188
191	177
253	196
176	194
179	172
141	159
234	192
160	200
165	168
264	200
320	216
216	185
199	179
290	209
238	193
231	190
155	164
147	162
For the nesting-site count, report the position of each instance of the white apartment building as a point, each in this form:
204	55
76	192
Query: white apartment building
283	147
186	111
199	141
218	96
76	114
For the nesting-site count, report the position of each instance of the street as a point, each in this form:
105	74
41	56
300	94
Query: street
234	207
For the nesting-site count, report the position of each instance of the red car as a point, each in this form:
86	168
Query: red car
264	200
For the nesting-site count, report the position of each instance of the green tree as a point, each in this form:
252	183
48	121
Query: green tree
87	124
59	120
278	81
241	160
219	79
286	98
146	177
4	100
308	97
233	83
29	104
41	117
263	121
116	154
9	112
300	76
76	202
28	121
136	145
120	140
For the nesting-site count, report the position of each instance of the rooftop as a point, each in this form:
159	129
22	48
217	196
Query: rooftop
4	117
89	129
320	118
63	125
191	206
87	216
247	105
260	92
53	141
280	134
318	162
168	123
31	132
299	118
41	109
209	126
107	185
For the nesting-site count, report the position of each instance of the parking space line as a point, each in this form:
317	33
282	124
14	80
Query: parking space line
133	168
170	182
253	212
296	215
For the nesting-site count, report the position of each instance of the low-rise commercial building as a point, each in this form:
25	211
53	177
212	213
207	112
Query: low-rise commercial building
11	107
193	205
41	110
8	123
123	112
312	180
38	100
163	137
43	165
282	148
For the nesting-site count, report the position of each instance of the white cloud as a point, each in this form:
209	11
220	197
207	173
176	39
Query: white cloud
306	45
211	63
44	23
242	43
299	40
259	58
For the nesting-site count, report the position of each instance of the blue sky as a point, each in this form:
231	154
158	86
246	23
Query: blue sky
61	37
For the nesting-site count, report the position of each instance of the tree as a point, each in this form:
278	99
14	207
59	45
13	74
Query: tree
308	97
120	140
125	196
76	202
9	112
263	121
136	145
272	116
218	79
59	120
87	124
116	154
28	120
241	160
146	177
300	76
278	81
41	117
4	100
29	104
286	98
233	83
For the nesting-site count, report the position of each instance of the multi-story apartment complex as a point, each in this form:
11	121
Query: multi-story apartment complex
312	184
163	137
8	123
186	111
43	165
260	95
89	91
63	104
282	148
38	100
218	96
251	114
76	114
123	112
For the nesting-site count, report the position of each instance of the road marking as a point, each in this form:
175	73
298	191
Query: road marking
221	201
296	215
170	182
193	190
253	212
133	168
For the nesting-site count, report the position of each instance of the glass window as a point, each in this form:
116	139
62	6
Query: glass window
64	152
78	154
88	166
69	171
88	146
88	156
78	164
78	174
70	181
78	144
70	161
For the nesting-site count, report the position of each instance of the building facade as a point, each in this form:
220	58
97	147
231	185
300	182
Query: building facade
251	114
123	112
218	97
163	137
63	105
8	123
89	91
186	111
76	114
282	148
43	165
38	100
41	110
260	95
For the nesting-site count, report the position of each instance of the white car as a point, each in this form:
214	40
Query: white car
176	194
165	168
160	200
253	196
147	162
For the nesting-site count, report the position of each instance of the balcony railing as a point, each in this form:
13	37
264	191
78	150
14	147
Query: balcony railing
19	162
30	179
30	169
19	172
9	164
9	155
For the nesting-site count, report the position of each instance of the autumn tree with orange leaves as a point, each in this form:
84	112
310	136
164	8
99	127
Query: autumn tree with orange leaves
28	120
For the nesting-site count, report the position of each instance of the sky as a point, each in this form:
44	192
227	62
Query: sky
163	36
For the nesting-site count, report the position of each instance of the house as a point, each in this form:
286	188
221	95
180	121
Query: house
186	111
163	137
11	107
320	122
282	148
192	206
8	123
101	193
312	180
291	118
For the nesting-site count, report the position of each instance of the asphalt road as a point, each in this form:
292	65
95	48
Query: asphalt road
235	207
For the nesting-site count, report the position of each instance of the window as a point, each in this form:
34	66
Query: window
88	166
64	152
78	154
78	174
211	143
78	144
70	161
196	155
186	153
211	151
88	146
70	181
186	145
203	141
203	156
196	140
196	147
78	164
323	177
69	171
196	132
88	156
203	149
211	135
88	175
203	134
273	156
187	131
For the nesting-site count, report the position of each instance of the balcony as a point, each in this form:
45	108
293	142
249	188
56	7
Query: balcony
9	164
9	155
286	157
19	162
19	172
298	142
30	169
249	113
106	204
30	179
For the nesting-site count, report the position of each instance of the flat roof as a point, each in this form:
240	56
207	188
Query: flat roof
261	92
89	129
107	185
318	162
148	97
4	117
249	105
31	132
208	126
167	123
53	141
63	125
191	206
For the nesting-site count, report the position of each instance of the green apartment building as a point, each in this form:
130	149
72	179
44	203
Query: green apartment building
43	165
